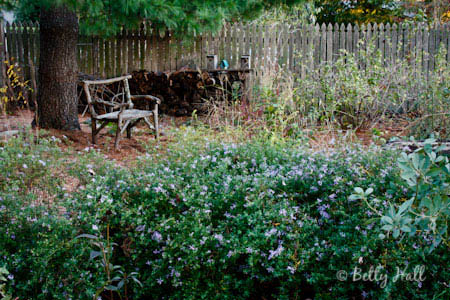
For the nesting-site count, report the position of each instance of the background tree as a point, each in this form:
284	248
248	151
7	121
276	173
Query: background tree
381	11
361	11
61	19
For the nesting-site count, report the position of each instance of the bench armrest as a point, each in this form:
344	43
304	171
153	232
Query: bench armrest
112	104
146	97
107	81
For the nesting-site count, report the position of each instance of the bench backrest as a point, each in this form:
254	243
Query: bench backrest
110	92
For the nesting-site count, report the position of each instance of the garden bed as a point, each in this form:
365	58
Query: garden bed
210	220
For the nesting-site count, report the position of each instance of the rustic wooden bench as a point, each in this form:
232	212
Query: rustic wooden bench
117	102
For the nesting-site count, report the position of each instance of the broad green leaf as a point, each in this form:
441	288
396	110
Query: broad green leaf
369	191
359	190
405	206
387	227
406	229
386	219
396	233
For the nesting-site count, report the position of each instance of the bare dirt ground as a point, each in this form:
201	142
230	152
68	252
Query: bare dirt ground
138	144
80	140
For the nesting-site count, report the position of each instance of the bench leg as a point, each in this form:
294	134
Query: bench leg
118	133
94	130
155	120
129	131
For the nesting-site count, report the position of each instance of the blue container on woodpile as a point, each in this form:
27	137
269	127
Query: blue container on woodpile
224	64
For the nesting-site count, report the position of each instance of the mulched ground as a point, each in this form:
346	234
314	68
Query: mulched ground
81	140
131	148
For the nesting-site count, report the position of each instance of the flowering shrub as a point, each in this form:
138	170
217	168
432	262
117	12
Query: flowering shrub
247	221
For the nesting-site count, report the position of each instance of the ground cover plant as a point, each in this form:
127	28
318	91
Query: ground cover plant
214	220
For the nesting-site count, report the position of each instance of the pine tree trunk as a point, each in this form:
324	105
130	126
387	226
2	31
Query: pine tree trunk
57	97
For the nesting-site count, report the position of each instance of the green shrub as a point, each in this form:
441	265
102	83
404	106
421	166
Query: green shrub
361	89
226	222
427	212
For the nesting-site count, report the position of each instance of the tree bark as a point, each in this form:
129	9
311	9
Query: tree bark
57	97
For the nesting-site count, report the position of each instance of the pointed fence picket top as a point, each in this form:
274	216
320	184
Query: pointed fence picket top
323	43
269	46
349	36
355	38
329	43
342	39
335	38
388	45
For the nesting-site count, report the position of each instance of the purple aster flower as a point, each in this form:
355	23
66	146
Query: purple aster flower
276	252
156	236
219	237
322	211
291	269
271	232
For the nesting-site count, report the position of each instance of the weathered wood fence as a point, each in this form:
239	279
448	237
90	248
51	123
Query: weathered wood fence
270	46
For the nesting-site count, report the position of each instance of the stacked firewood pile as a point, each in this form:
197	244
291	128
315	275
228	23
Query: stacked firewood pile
184	91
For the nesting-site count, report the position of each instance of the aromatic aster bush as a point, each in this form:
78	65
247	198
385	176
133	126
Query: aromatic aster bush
252	221
36	241
225	221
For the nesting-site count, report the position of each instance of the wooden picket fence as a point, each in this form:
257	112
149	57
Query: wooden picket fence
270	46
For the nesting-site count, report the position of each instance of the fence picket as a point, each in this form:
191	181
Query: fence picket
355	38
323	42
382	41
270	46
394	40
26	49
329	43
14	43
2	55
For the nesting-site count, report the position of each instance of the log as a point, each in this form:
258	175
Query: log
181	91
8	133
410	147
185	90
